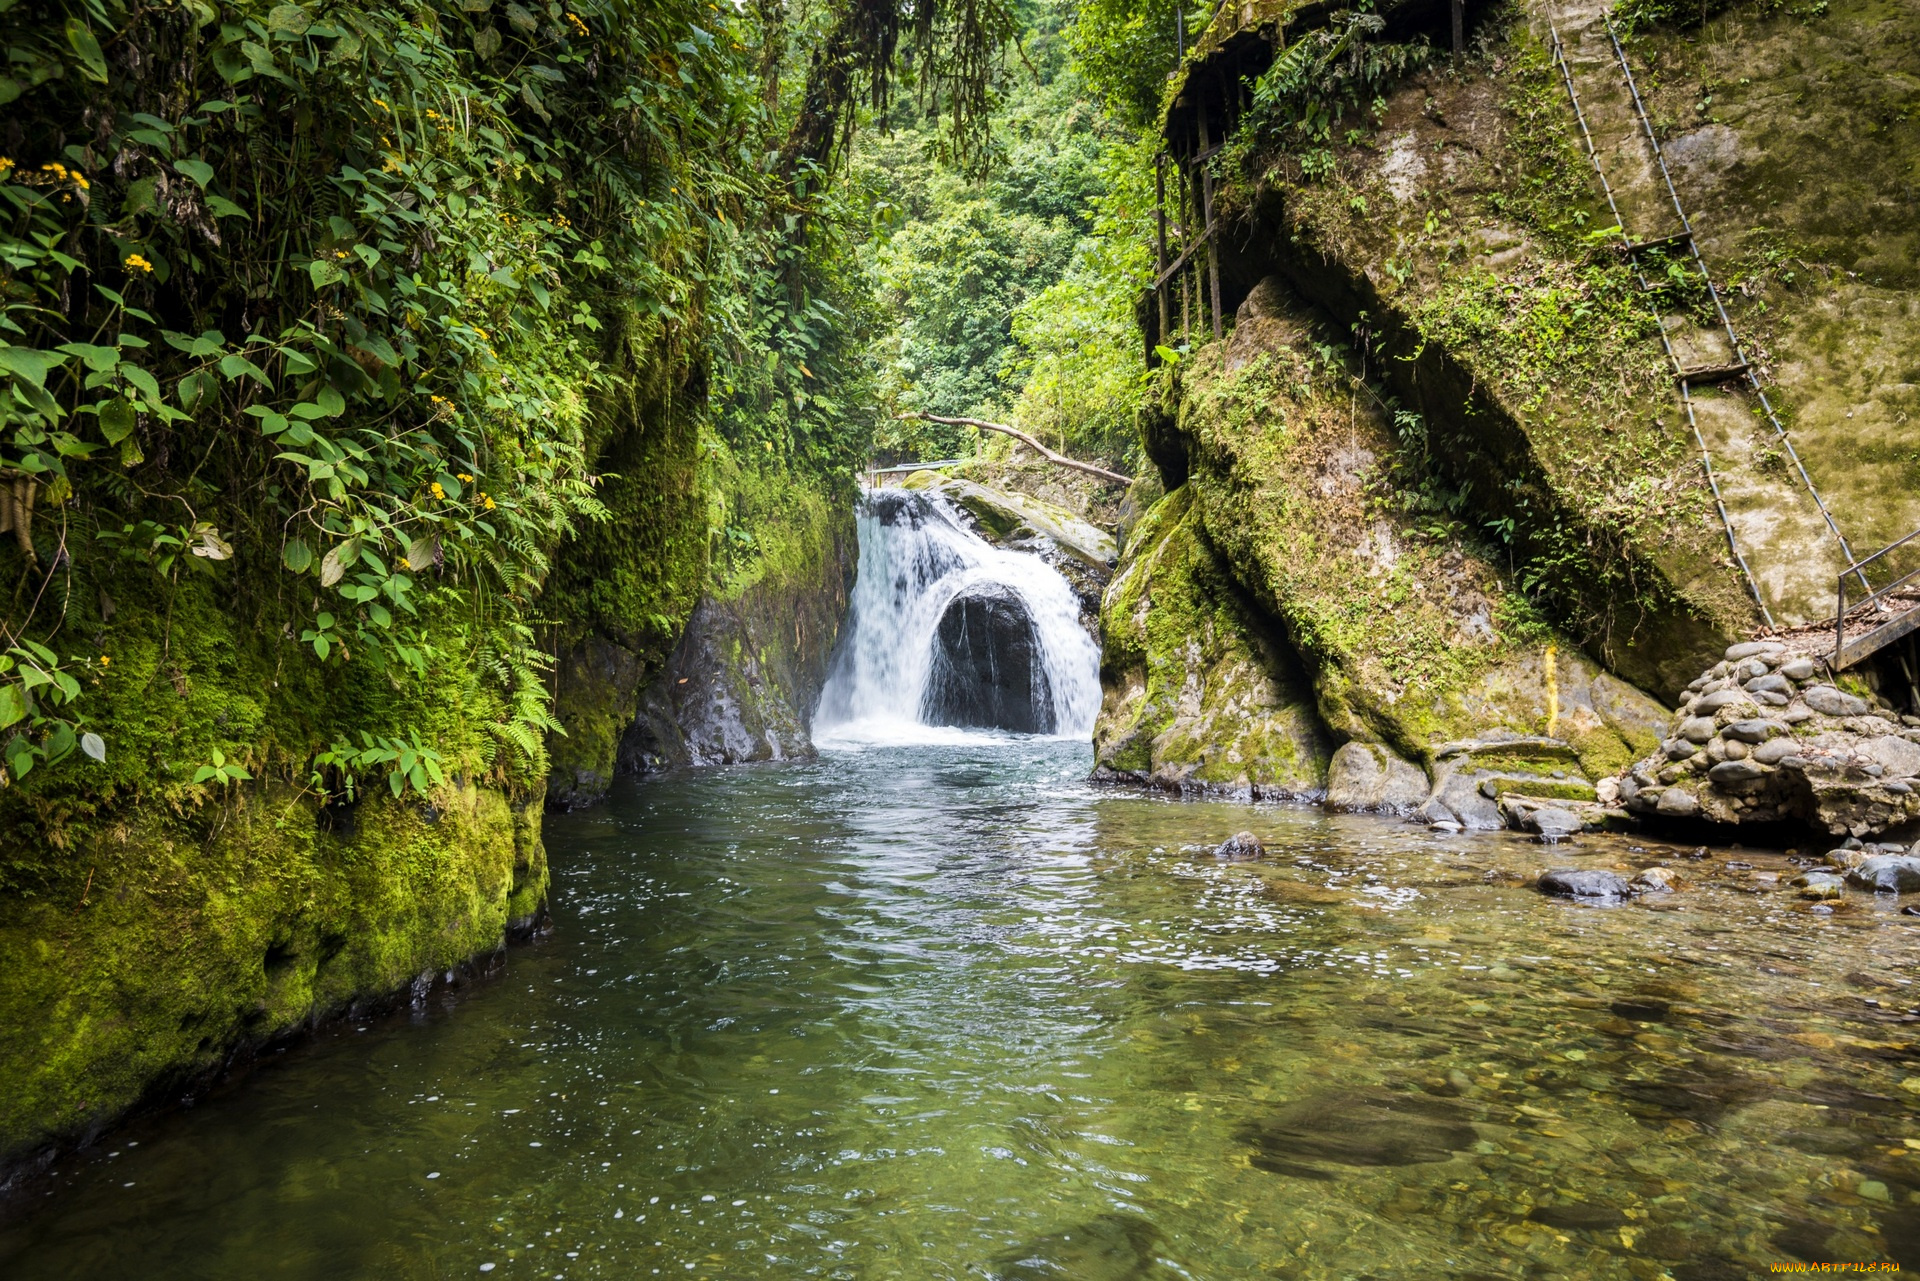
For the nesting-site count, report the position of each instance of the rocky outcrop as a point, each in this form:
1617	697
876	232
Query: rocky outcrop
1083	553
1200	692
1766	736
739	680
988	670
1413	642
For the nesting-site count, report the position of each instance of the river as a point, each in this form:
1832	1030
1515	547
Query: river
948	1010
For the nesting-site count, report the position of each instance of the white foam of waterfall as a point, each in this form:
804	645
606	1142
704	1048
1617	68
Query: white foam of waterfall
916	556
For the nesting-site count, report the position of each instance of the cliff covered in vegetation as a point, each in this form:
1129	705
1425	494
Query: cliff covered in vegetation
357	361
1440	447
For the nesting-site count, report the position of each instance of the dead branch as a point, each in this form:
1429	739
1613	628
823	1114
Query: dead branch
1059	460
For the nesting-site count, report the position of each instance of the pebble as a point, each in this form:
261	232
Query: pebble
1798	669
1819	885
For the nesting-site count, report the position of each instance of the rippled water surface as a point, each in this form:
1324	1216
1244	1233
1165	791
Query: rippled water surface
948	1011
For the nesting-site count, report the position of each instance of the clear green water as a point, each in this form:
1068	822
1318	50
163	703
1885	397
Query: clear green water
951	1012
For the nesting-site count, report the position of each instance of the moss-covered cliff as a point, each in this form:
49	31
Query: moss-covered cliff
353	364
1441	448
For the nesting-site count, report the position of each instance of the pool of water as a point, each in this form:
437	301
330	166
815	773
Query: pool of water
950	1012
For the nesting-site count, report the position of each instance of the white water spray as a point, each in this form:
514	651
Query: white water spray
916	558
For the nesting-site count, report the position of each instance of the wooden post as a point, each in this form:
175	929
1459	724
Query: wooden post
1206	215
1459	26
1160	263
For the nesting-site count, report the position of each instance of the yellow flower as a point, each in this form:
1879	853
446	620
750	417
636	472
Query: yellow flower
483	333
136	263
436	490
105	661
403	562
486	502
463	476
382	104
578	25
6	166
438	400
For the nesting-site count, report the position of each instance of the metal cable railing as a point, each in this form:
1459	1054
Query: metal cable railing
1666	342
1741	365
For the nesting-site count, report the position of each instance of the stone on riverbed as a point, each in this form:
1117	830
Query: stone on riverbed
1579	883
1555	824
1820	885
1241	847
1110	1247
1896	873
1655	880
1359	1128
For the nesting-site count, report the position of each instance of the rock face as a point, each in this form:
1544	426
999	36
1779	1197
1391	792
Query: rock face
1369	778
1199	691
988	670
1084	554
1764	737
740	682
1272	591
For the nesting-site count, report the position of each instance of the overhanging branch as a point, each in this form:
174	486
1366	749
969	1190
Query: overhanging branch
1059	460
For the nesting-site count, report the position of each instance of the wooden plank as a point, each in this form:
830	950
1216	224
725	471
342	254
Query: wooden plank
1678	238
1879	638
1713	373
1183	259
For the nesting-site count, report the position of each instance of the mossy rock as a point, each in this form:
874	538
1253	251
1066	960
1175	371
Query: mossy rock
195	937
1414	636
1199	695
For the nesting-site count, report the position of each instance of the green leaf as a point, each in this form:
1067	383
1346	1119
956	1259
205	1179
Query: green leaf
92	61
236	366
93	745
297	556
325	273
486	43
30	363
289	20
204	773
195	388
116	420
99	359
397	782
221	207
331	402
13	704
199	170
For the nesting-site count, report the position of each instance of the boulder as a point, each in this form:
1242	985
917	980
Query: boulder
1698	729
1677	803
1798	669
1755	730
1241	847
1655	880
988	669
1828	701
1736	772
1579	883
1554	824
1367	777
1895	873
1749	649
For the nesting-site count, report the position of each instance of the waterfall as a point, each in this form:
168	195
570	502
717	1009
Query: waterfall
948	635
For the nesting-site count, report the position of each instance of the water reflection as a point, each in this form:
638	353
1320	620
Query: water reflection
949	1012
